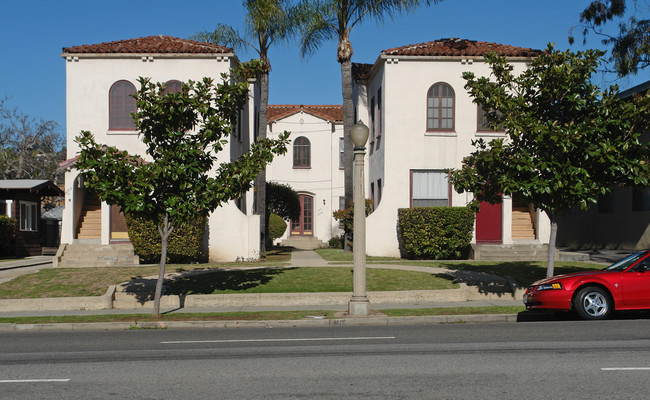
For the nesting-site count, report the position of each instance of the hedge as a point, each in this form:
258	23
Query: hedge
184	243
7	236
436	233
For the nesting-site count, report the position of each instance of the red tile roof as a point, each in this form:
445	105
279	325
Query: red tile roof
330	113
150	44
454	47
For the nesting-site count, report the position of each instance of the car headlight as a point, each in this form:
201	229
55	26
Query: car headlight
550	286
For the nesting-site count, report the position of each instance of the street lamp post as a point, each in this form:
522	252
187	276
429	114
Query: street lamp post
359	304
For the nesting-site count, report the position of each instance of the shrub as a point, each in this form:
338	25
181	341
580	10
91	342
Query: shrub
183	246
7	236
277	226
438	233
336	242
346	217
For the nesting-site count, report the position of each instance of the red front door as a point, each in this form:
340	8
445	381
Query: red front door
488	223
305	224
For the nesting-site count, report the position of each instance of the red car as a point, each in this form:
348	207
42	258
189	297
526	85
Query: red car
624	285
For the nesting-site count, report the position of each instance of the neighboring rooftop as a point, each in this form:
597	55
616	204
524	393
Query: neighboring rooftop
40	186
454	47
330	113
149	45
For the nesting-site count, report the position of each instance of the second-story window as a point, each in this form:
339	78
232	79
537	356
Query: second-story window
301	153
121	105
440	108
172	86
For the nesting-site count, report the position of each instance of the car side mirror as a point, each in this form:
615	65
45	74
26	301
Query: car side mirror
642	268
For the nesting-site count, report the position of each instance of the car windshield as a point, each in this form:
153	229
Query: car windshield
626	262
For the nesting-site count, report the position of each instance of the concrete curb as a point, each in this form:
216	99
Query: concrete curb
354	321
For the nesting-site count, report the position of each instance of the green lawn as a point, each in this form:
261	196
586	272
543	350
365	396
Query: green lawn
524	272
67	282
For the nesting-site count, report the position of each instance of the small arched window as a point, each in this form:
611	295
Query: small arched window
121	105
301	153
440	108
172	86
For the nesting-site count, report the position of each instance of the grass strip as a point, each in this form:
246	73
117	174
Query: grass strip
74	282
253	316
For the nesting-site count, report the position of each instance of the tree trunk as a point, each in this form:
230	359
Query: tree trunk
164	237
551	247
348	121
261	178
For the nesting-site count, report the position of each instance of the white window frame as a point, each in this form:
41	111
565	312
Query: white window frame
430	188
28	216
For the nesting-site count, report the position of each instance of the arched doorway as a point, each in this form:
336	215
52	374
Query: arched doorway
304	226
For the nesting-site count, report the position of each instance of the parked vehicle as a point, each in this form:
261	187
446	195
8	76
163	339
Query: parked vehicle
624	285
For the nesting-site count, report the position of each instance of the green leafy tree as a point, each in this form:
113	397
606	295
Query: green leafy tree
334	19
630	46
267	23
183	133
567	142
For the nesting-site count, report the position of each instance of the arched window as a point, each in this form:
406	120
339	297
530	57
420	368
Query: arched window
440	108
172	86
301	153
121	105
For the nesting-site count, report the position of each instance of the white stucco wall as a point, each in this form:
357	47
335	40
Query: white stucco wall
408	146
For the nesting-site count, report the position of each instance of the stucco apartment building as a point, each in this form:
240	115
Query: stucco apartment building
313	168
421	118
422	121
100	79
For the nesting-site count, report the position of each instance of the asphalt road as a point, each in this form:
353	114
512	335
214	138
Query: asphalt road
535	360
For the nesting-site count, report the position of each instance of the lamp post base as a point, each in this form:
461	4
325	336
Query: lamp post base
359	306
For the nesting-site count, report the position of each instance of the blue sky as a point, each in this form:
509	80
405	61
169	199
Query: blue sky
34	31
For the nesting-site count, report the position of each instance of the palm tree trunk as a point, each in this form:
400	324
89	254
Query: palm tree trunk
348	121
261	178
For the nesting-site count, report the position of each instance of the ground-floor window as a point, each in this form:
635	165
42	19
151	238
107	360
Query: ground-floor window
429	188
28	216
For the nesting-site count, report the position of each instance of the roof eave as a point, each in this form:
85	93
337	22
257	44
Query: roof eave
448	58
155	55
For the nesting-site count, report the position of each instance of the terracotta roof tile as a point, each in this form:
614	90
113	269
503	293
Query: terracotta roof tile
361	72
330	113
150	44
459	48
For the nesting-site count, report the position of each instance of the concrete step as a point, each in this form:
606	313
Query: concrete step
304	242
92	255
515	252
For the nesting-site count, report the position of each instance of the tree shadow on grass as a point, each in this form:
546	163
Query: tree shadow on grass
209	281
524	273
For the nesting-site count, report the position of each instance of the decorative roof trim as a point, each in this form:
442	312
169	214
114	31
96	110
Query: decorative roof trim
329	113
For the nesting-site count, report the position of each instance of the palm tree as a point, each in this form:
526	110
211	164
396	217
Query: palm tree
334	19
267	22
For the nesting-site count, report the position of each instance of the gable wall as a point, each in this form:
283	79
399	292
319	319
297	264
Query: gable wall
324	180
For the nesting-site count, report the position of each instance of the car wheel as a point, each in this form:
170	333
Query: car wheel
592	303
